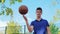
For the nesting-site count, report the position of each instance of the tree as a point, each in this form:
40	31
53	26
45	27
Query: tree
54	29
7	10
2	1
11	1
13	28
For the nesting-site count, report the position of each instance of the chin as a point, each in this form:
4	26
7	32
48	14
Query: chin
38	16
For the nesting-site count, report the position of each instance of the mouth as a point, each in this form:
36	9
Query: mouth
38	15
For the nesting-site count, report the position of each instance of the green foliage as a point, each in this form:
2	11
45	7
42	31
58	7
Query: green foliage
59	32
2	13
19	0
54	29
58	12
55	18
2	1
9	11
13	1
13	28
54	2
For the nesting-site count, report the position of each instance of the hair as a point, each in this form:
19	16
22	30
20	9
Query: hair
39	8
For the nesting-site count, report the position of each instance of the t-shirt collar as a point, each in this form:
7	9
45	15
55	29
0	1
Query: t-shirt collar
40	19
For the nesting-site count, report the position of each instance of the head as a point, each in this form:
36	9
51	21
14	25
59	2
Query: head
38	12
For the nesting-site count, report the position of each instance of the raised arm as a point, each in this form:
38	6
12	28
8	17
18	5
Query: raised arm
30	28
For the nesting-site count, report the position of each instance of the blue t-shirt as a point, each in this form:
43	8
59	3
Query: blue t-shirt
40	27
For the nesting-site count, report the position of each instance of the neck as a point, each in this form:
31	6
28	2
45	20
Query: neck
38	19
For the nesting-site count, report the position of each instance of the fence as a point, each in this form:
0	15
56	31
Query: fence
23	30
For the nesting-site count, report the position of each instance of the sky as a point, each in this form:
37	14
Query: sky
48	7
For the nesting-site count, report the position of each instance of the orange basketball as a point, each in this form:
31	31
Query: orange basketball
23	9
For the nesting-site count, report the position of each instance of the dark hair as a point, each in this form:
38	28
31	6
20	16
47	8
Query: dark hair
39	8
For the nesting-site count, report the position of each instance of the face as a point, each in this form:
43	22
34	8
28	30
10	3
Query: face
38	13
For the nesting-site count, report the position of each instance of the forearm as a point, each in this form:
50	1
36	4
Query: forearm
28	26
48	30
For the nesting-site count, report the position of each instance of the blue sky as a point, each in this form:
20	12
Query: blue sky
47	6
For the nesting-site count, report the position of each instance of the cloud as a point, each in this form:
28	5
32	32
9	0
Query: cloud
3	23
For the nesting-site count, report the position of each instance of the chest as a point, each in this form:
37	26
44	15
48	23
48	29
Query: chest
39	24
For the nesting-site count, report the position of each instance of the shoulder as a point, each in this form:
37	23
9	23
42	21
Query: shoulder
44	20
33	21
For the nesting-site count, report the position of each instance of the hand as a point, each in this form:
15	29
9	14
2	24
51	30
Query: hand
25	18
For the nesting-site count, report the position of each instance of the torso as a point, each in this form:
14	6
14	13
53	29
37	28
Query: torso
39	26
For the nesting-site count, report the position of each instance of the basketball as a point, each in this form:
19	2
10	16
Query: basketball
23	9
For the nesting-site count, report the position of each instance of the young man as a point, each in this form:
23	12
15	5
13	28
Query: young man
40	26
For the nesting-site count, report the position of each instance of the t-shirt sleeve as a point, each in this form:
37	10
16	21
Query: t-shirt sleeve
32	23
47	24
